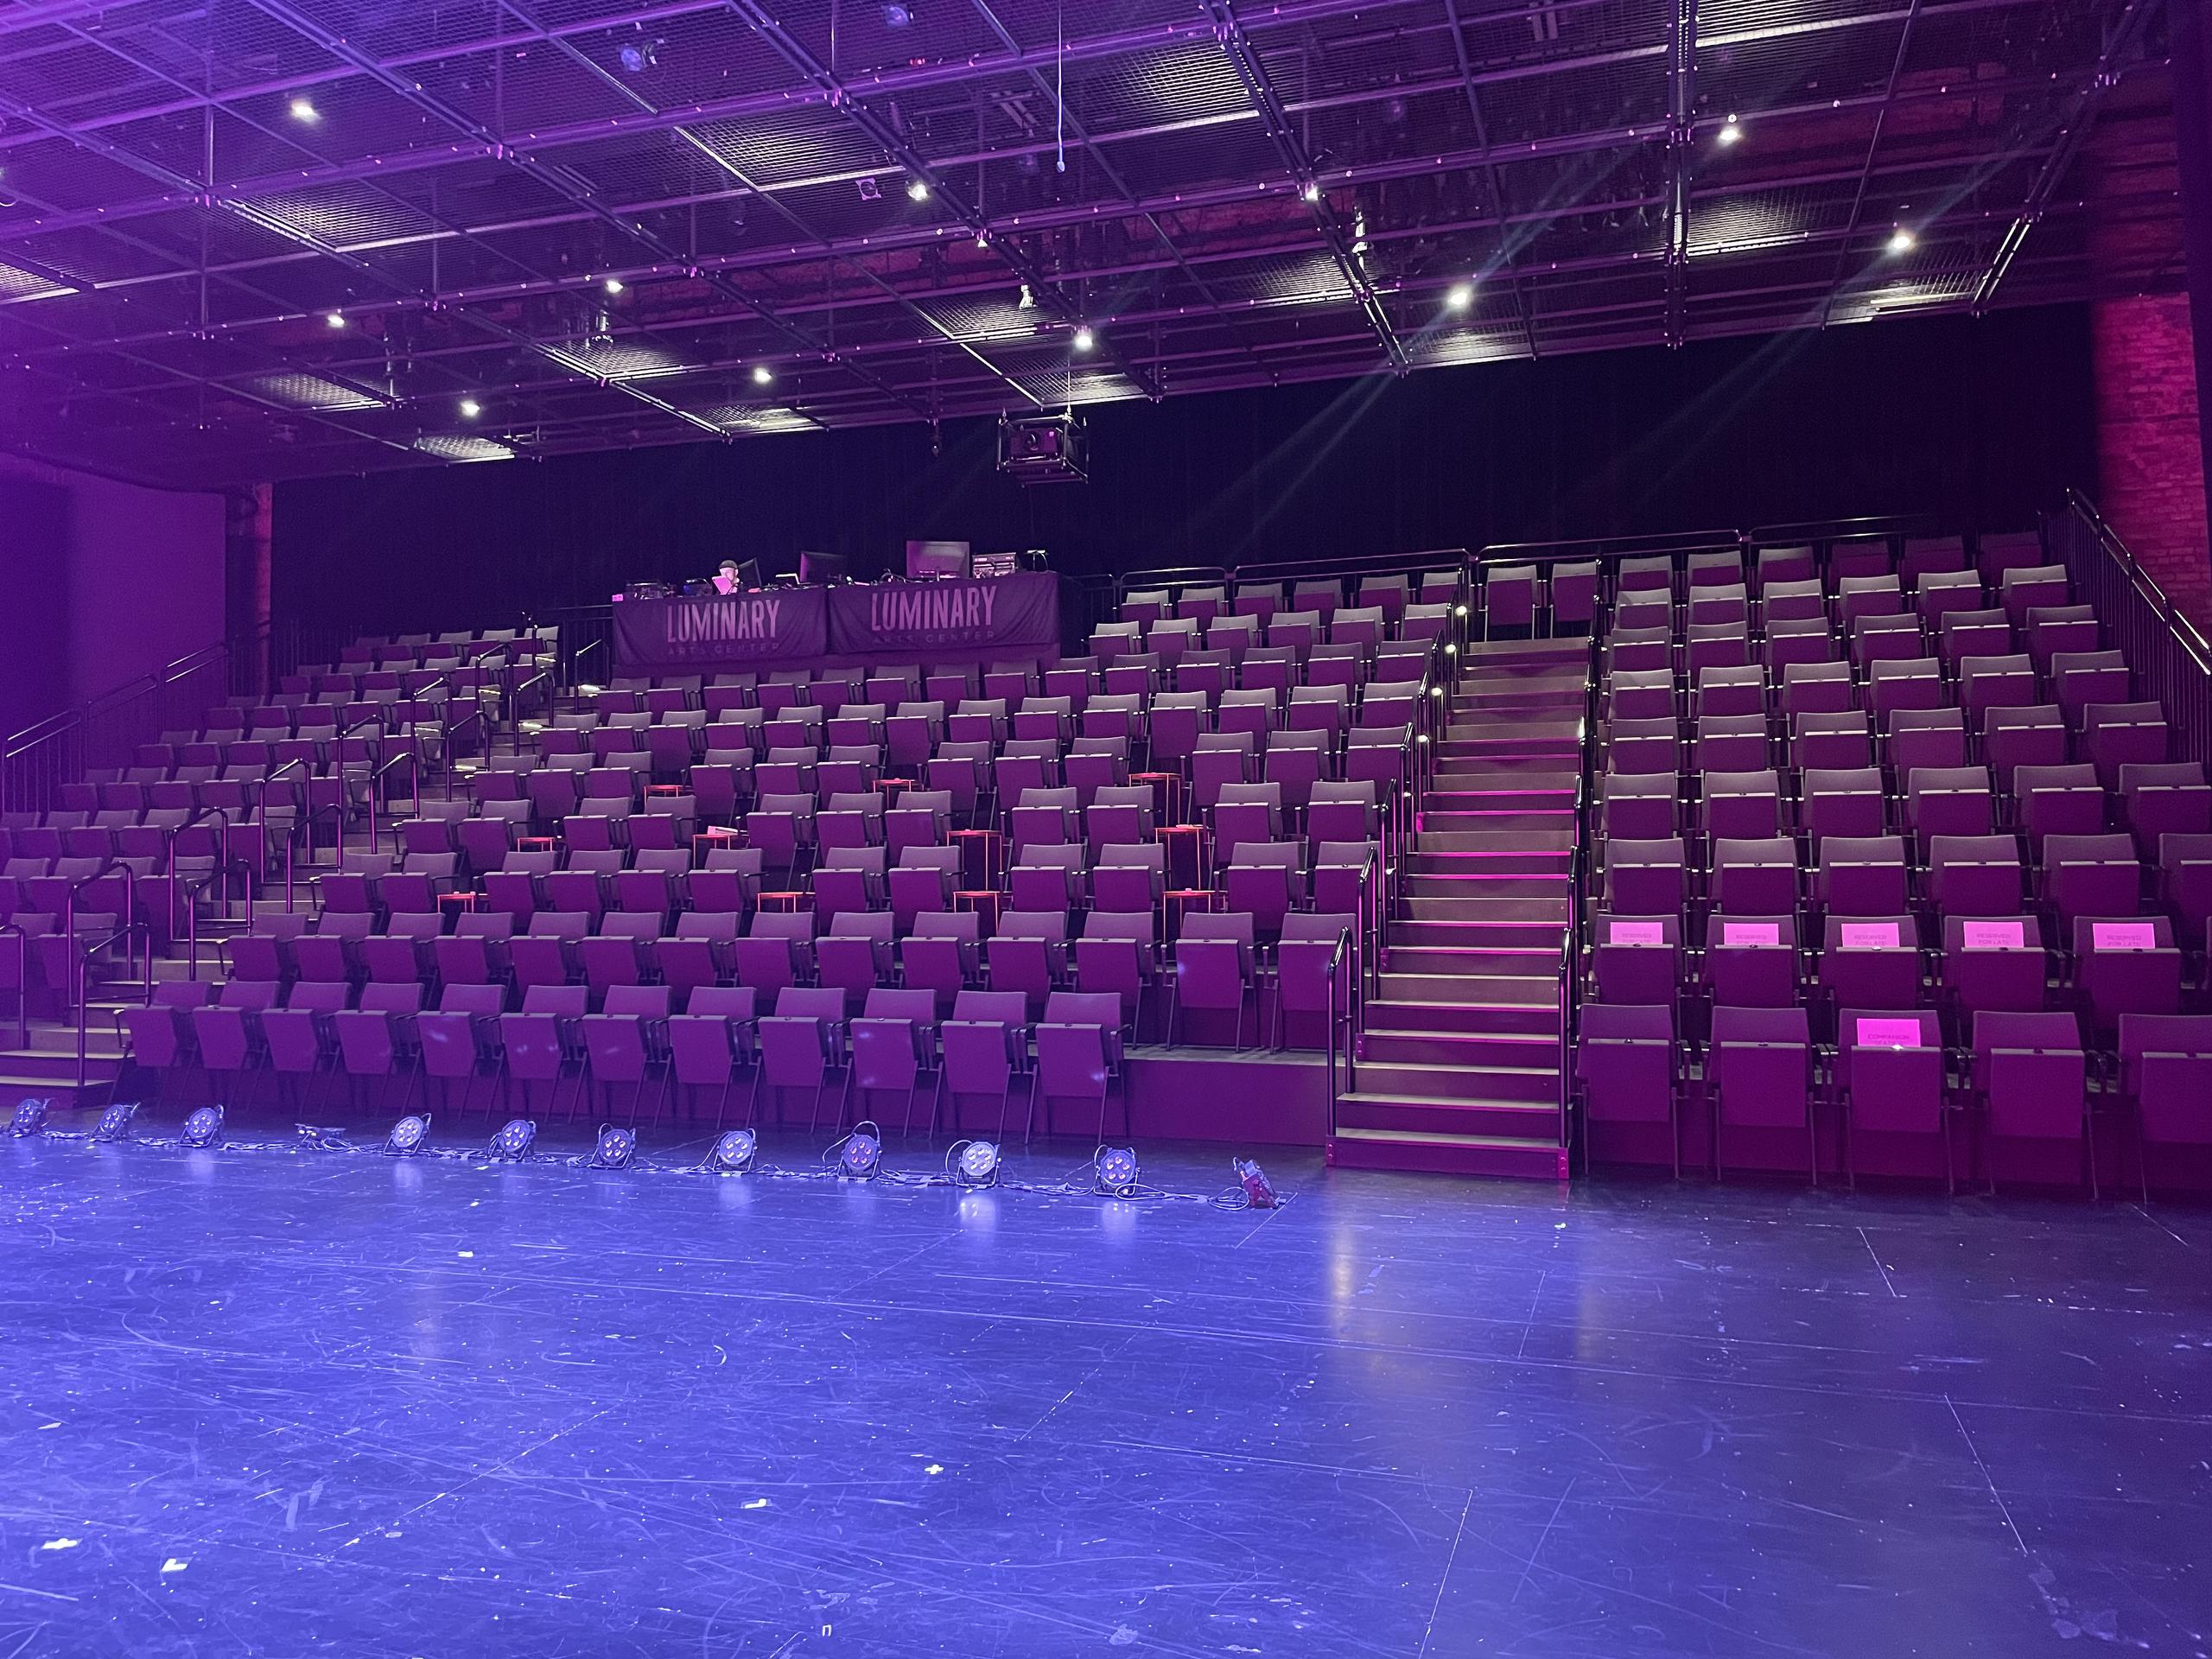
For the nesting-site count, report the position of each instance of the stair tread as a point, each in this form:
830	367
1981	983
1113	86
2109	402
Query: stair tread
1439	1137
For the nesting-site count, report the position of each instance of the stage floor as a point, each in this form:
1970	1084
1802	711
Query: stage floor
268	1403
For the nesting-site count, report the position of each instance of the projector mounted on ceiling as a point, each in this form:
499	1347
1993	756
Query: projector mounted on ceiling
1044	449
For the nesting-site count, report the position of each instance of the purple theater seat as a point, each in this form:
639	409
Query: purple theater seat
1755	877
1028	953
546	955
1994	964
2032	1077
1213	969
627	1038
377	1034
1890	1077
403	953
942	953
1645	877
711	1038
1637	960
2125	965
1117	956
475	952
159	1035
1973	875
854	952
1758	1067
1871	962
1624	1066
2185	880
1640	806
2166	1073
2165	799
1078	1053
802	1042
2058	801
891	1043
1751	962
1316	962
228	1032
297	1035
539	1043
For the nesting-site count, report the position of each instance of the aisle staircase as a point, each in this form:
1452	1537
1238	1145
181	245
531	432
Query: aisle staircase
1458	1066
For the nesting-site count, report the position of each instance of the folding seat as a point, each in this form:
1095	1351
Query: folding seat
1714	604
2165	1069
1751	961
1994	963
1866	597
1201	604
1044	818
1388	707
1948	801
786	769
484	842
541	1043
1890	1076
582	883
1245	812
730	882
1938	594
1129	878
1645	877
1268	881
1830	742
781	827
2185	880
949	682
546	953
1345	875
2030	587
1024	765
265	952
1253	711
891	1043
1755	877
1049	718
1648	573
1626	1069
1573	591
1732	743
781	691
158	1036
777	950
1723	691
655	885
1344	811
1379	756
2091	875
1296	761
848	821
1915	682
1362	625
918	818
2120	734
1871	962
854	952
1389	594
1843	801
1741	805
1028	953
2053	630
1637	959
1235	635
554	793
1975	875
1048	877
1295	632
1851	557
977	720
375	1036
476	952
850	769
401	954
296	1037
1794	601
1923	739
1323	709
848	879
1642	694
227	1031
332	952
922	882
2032	1077
1115	955
1997	553
2058	800
2127	966
1861	875
1135	676
1989	683
1633	648
1174	724
941	953
620	952
1967	633
911	736
2018	737
2165	799
1759	1069
1509	593
1122	814
1096	763
857	726
1644	746
1647	611
1715	568
1213	971
702	951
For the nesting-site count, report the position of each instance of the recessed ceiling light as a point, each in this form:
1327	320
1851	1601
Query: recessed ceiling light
918	190
1901	240
470	409
613	284
1460	295
336	320
762	374
1084	339
302	109
1729	132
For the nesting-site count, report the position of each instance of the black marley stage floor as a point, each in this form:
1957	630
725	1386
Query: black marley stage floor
278	1402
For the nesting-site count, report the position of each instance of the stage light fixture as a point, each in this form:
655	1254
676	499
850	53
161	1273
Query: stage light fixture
1729	132
1901	240
336	319
1084	339
613	284
918	190
733	1152
29	1118
1259	1193
204	1128
898	14
1311	193
115	1123
762	374
407	1135
638	57
304	109
1028	302
978	1165
869	189
1115	1172
862	1155
470	409
614	1148
511	1144
1460	295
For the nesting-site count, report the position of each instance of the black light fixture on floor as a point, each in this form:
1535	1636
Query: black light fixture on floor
204	1128
1115	1172
859	1154
29	1118
407	1135
614	1148
977	1165
511	1144
733	1152
115	1123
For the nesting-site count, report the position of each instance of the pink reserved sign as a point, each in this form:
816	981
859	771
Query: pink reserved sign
1751	933
1889	1033
1991	935
2124	936
1637	933
1869	936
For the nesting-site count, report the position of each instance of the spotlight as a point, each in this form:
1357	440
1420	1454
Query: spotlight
869	189
898	14
762	374
1901	240
1084	339
1258	1193
918	190
638	57
1028	302
1311	193
1730	133
982	239
1115	1172
407	1135
615	1148
1460	295
302	109
29	1118
336	320
115	1123
470	409
204	1128
511	1143
613	284
733	1152
978	1166
861	1152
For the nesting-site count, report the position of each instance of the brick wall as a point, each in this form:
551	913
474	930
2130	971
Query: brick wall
2150	453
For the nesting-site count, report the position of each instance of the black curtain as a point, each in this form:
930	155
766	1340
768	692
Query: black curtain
1978	422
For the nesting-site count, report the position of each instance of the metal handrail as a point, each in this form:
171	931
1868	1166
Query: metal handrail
82	988
582	652
291	842
1336	965
23	980
2170	656
376	778
261	798
129	915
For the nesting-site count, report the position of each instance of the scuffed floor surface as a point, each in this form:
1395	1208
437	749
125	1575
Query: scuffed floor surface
277	1403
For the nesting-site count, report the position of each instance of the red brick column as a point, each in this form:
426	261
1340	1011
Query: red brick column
2150	450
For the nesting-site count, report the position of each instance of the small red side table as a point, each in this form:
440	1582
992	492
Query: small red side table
1179	902
1195	840
537	843
456	903
985	849
714	835
893	788
1166	794
785	902
986	902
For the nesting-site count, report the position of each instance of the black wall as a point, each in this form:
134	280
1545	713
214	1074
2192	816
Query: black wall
35	621
1979	422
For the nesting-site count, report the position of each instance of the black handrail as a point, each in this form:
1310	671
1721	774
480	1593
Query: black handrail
2170	656
1336	966
82	964
23	980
